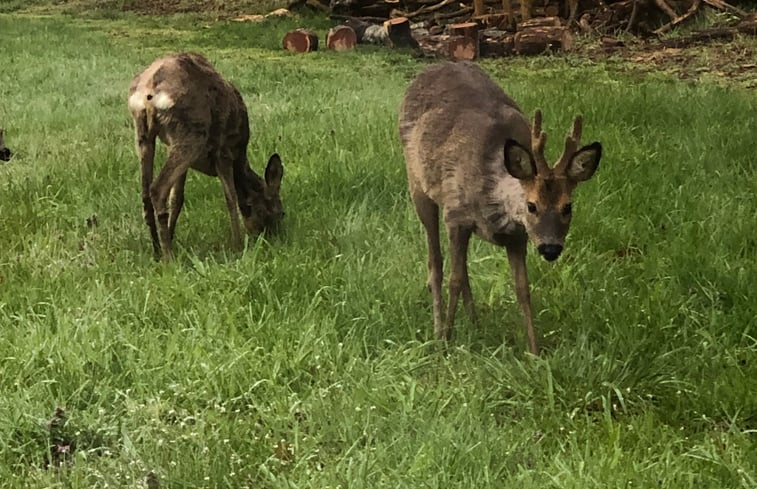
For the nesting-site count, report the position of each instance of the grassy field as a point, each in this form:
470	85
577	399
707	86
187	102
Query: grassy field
308	360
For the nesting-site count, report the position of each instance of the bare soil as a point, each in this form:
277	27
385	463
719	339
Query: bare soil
730	62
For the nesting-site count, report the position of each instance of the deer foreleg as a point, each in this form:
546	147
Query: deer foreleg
516	255
226	174
458	279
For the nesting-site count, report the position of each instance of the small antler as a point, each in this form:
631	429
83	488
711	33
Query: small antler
538	142
572	143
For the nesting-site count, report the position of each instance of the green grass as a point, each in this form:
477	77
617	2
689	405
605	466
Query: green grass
307	361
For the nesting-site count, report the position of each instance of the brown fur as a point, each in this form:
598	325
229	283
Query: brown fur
470	150
5	153
203	120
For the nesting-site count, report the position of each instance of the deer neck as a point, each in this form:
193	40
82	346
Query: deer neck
502	211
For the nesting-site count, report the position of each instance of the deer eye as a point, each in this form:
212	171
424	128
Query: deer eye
531	207
567	209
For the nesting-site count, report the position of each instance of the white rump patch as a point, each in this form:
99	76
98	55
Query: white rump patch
137	101
162	101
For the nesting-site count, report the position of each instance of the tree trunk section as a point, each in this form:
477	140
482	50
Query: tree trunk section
468	30
455	48
461	48
341	38
496	43
300	41
400	34
537	40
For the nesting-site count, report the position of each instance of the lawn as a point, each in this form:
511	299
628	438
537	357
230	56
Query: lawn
308	360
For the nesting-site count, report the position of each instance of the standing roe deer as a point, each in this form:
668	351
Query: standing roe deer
5	153
470	150
203	120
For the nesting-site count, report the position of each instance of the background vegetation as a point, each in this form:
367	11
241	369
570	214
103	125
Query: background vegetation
307	361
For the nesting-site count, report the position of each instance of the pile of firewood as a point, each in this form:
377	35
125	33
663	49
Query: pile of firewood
635	16
466	30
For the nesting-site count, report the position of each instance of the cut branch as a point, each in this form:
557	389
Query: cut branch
682	18
721	5
666	8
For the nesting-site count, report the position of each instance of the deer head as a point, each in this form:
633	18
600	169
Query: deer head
5	153
548	190
259	199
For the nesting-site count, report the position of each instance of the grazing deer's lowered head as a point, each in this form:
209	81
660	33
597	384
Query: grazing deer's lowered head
5	153
470	151
202	118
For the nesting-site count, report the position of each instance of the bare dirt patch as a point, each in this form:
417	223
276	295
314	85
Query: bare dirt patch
731	61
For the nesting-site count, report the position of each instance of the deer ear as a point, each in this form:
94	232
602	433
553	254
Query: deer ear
274	172
584	162
519	161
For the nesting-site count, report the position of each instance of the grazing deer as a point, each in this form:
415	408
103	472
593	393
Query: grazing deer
5	153
203	120
470	150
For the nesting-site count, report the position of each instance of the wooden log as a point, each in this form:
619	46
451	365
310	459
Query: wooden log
399	33
722	5
496	44
537	40
300	41
455	48
540	22
461	48
700	37
341	38
367	32
469	30
678	20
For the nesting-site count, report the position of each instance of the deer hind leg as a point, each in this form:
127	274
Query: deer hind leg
428	212
516	255
176	203
180	159
226	174
146	150
459	238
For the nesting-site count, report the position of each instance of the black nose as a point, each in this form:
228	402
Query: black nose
550	252
5	154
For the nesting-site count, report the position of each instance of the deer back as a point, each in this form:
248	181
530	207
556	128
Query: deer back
454	124
184	100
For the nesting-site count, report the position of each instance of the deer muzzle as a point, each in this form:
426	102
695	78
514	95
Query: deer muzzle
550	252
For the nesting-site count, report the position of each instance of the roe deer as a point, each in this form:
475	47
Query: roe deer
5	153
470	150
203	120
